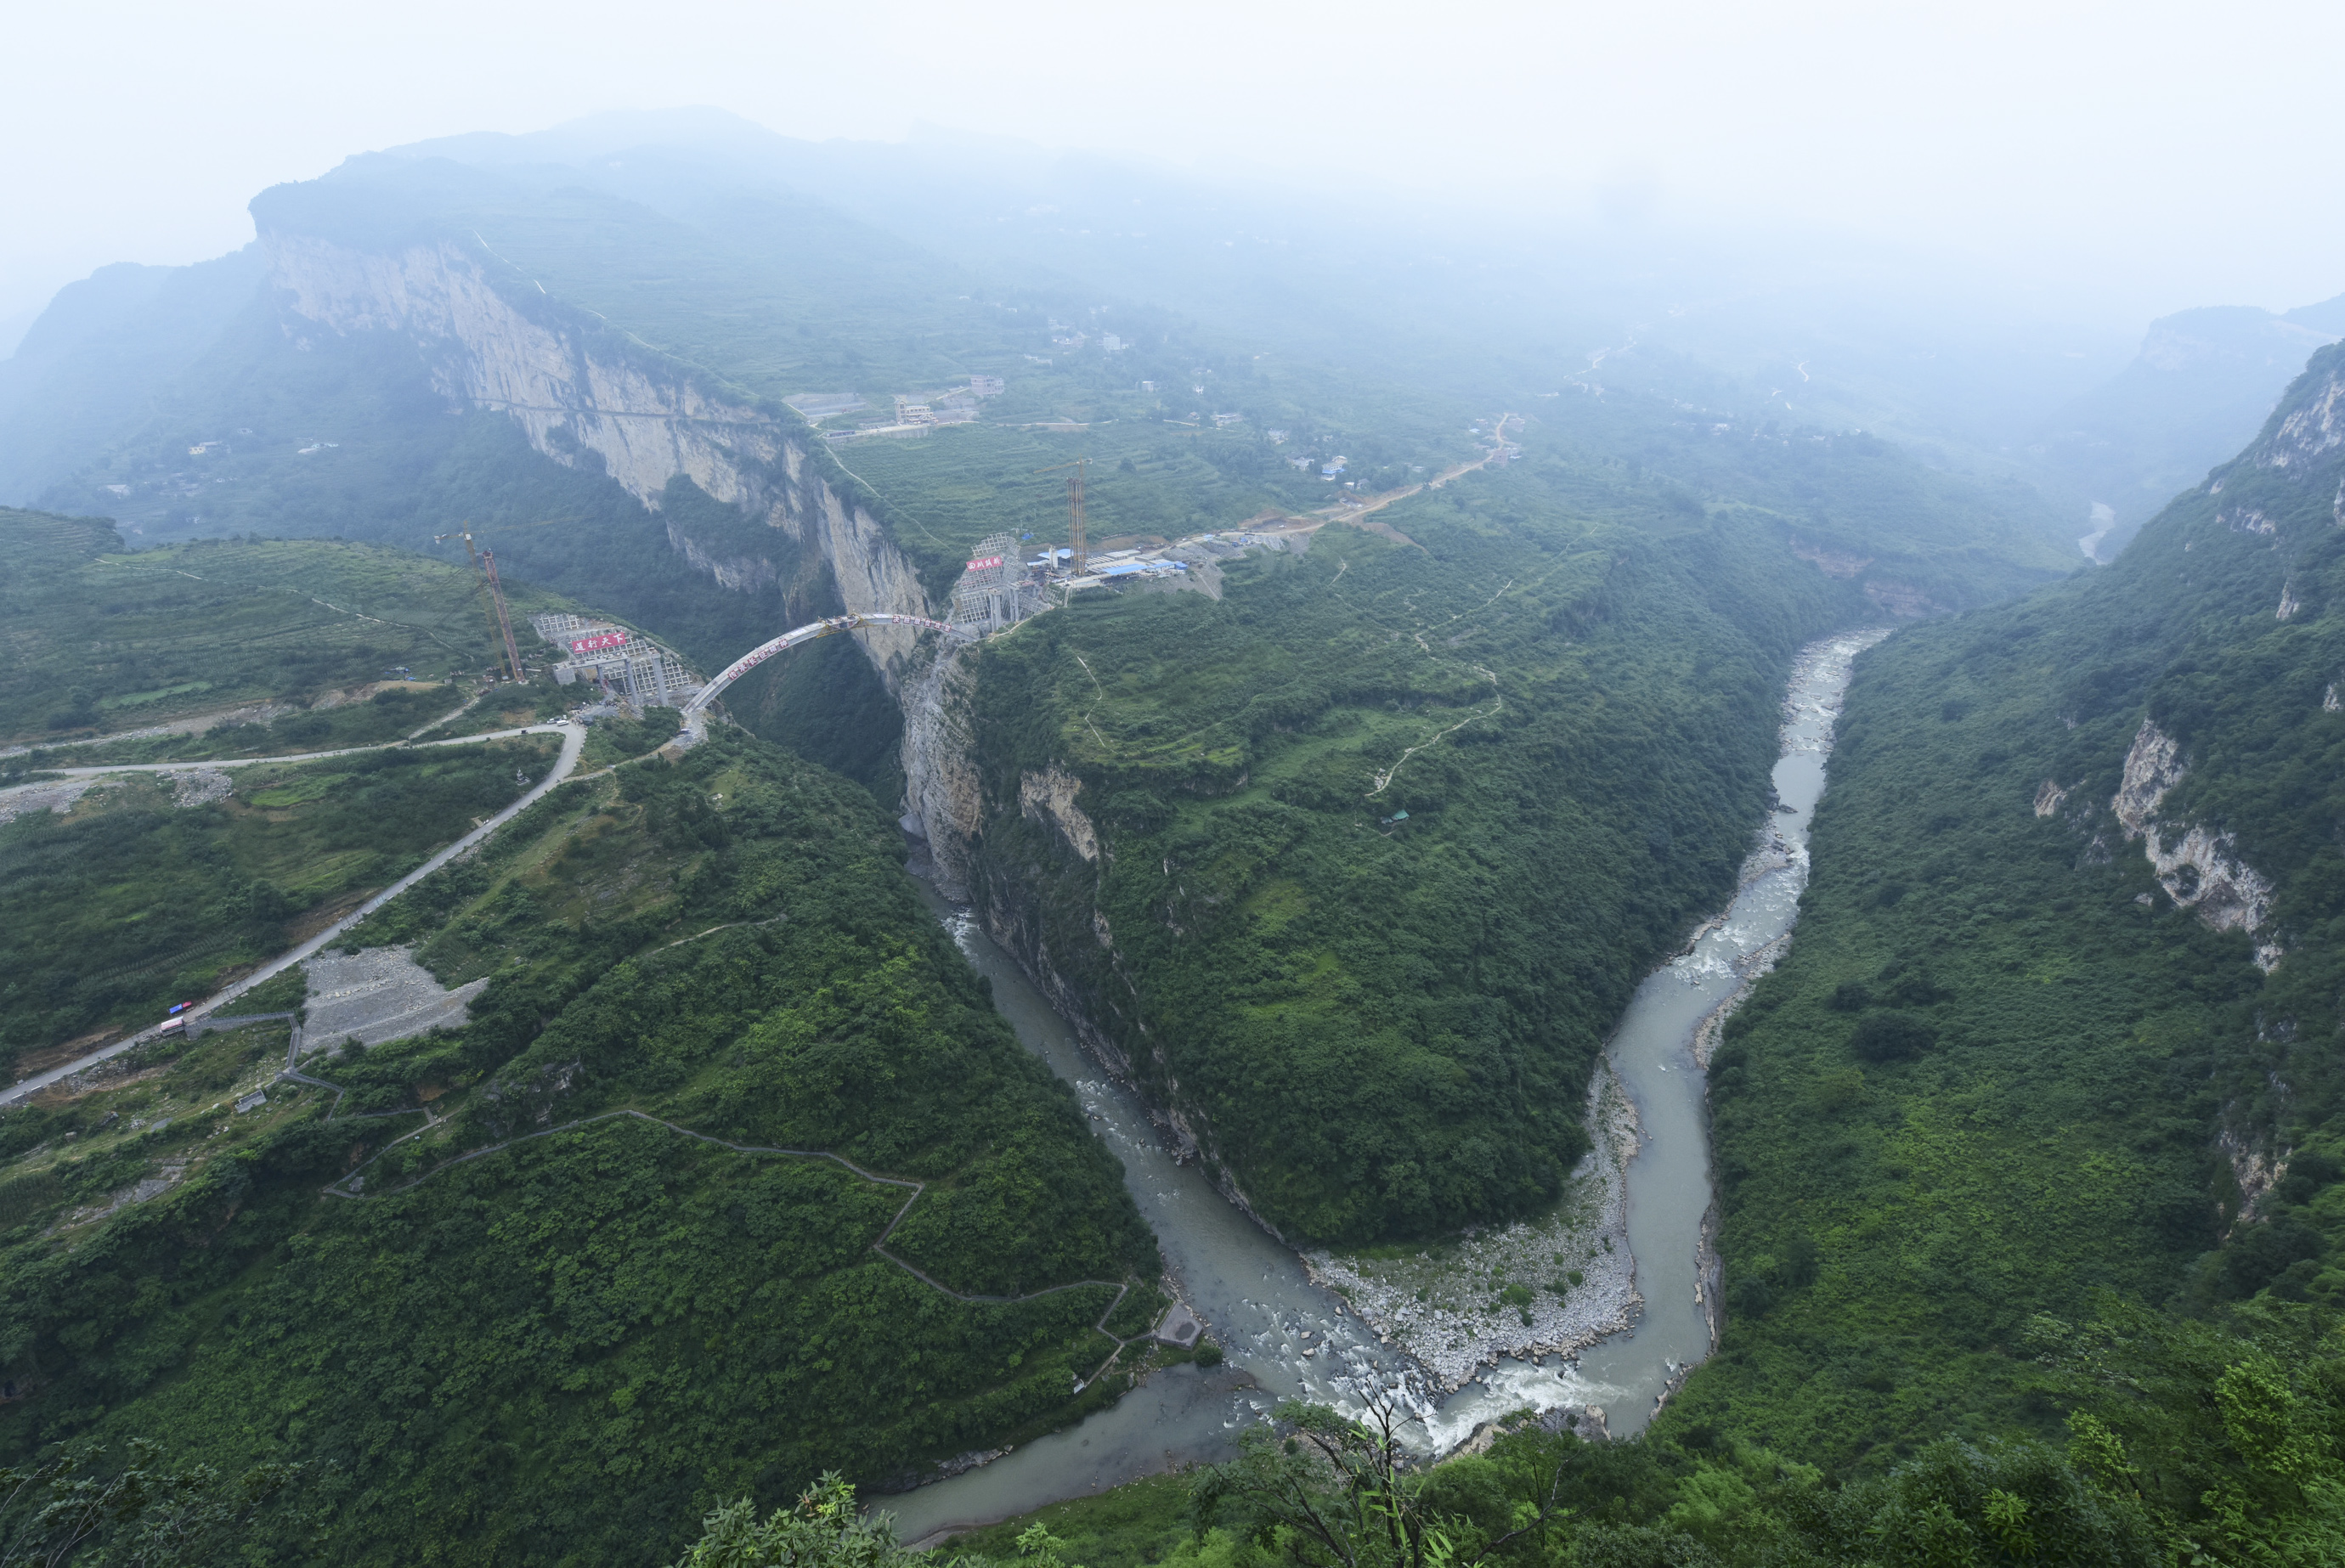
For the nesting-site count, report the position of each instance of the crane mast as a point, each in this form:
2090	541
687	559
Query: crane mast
484	561
504	621
1077	554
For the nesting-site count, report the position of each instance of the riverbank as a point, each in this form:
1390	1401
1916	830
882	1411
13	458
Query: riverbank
1544	1286
1635	1224
1568	1281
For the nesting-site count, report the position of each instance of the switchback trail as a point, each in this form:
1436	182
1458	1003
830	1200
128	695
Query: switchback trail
353	1188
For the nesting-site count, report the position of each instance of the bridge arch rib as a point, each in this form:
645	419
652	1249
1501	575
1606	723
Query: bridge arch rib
789	639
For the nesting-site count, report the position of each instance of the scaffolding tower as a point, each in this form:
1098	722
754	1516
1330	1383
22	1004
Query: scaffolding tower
992	594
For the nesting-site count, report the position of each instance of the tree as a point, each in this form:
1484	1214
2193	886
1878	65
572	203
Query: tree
822	1531
143	1516
2229	1439
1325	1490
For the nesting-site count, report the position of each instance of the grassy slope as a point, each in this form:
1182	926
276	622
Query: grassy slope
574	1345
1890	1224
101	641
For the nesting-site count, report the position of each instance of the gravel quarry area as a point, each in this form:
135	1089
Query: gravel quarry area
59	795
377	994
201	787
195	785
1460	1306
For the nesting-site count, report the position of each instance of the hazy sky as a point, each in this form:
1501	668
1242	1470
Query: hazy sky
2167	155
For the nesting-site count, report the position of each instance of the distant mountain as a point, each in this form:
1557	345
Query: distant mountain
2328	317
2201	386
1983	383
1820	332
12	329
87	366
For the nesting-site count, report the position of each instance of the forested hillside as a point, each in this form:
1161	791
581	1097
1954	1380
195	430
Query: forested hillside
102	640
1385	835
1622	601
719	1170
538	1329
629	1204
2011	1060
122	895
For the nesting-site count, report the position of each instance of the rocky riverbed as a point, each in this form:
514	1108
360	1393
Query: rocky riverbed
1537	1288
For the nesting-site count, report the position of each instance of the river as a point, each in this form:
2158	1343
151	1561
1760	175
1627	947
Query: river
1285	1337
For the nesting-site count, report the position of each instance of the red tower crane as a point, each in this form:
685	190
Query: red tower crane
485	562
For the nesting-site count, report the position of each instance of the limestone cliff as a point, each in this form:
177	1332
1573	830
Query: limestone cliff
588	396
2198	869
943	795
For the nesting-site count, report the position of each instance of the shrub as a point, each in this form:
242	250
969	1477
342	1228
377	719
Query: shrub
1890	1037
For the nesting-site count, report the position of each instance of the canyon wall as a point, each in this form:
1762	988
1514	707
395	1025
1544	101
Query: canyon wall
588	396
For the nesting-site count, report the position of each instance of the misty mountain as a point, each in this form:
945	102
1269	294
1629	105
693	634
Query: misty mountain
2202	384
1431	688
1825	331
93	362
866	246
2079	866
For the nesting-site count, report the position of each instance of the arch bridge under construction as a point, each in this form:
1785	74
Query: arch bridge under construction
695	710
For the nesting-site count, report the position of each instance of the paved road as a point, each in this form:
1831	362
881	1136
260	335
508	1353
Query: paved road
574	741
1347	510
188	767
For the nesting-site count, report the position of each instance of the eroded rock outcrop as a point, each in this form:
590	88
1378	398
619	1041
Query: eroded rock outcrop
942	787
1049	797
2313	429
2198	869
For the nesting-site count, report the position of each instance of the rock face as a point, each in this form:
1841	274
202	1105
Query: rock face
1048	796
1901	600
941	786
2198	869
591	398
2314	429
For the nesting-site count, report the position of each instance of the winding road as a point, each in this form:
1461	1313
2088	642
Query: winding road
1354	509
574	741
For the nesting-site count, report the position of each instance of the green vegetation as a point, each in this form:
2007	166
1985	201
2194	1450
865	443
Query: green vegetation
619	739
575	1343
74	1506
2185	1443
133	900
392	713
759	293
1385	1027
2003	1068
1363	855
1141	1521
104	641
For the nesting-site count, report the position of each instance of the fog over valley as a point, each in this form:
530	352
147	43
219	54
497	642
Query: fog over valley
1349	788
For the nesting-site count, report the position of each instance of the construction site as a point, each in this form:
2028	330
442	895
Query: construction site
625	665
1002	585
622	665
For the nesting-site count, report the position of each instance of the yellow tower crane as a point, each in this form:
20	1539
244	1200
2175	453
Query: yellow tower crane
1075	513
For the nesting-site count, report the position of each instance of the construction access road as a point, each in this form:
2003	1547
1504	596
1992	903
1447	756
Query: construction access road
574	741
